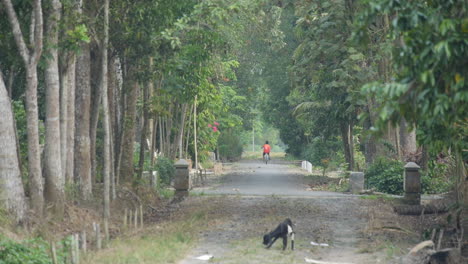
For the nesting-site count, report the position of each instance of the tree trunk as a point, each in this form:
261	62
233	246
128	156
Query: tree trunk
161	136
370	149
187	136
64	117
128	135
11	187
347	148
11	79
54	181
351	147
154	136
195	132
70	135
181	129
30	59
144	131
407	139
36	184
82	168
112	95
116	109
106	123
94	117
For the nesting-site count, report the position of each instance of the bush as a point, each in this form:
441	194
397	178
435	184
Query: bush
436	179
166	171
385	175
35	251
324	153
230	146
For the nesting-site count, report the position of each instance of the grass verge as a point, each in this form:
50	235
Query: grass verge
166	243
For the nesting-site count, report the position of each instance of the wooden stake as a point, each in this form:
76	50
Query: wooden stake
433	234
106	229
77	247
130	218
53	252
83	241
141	215
441	235
72	250
125	218
136	219
98	237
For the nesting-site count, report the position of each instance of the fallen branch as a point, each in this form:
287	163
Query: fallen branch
397	229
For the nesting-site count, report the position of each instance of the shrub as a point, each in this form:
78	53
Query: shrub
324	153
435	179
166	171
385	175
35	251
230	146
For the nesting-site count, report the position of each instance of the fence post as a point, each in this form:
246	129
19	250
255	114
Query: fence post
136	218
141	215
53	252
106	229
130	218
77	247
72	250
125	218
83	241
98	237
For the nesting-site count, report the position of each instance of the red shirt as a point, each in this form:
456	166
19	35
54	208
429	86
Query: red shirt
266	148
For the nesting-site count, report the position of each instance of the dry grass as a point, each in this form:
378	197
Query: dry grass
159	244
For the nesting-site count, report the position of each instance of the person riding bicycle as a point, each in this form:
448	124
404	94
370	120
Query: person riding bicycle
266	149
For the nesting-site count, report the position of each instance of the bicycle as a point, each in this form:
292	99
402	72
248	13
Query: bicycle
266	158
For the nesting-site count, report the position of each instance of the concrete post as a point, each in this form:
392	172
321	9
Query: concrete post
412	184
182	181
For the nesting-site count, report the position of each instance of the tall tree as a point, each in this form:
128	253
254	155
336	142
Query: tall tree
82	157
11	188
106	117
54	180
129	127
430	89
31	58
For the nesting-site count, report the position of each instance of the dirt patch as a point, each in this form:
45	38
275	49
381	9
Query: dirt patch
356	230
321	183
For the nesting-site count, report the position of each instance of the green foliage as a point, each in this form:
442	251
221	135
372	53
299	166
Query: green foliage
74	37
436	179
430	51
230	146
166	171
34	251
321	152
385	175
22	133
166	193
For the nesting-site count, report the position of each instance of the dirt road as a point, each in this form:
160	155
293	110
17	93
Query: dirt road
255	197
